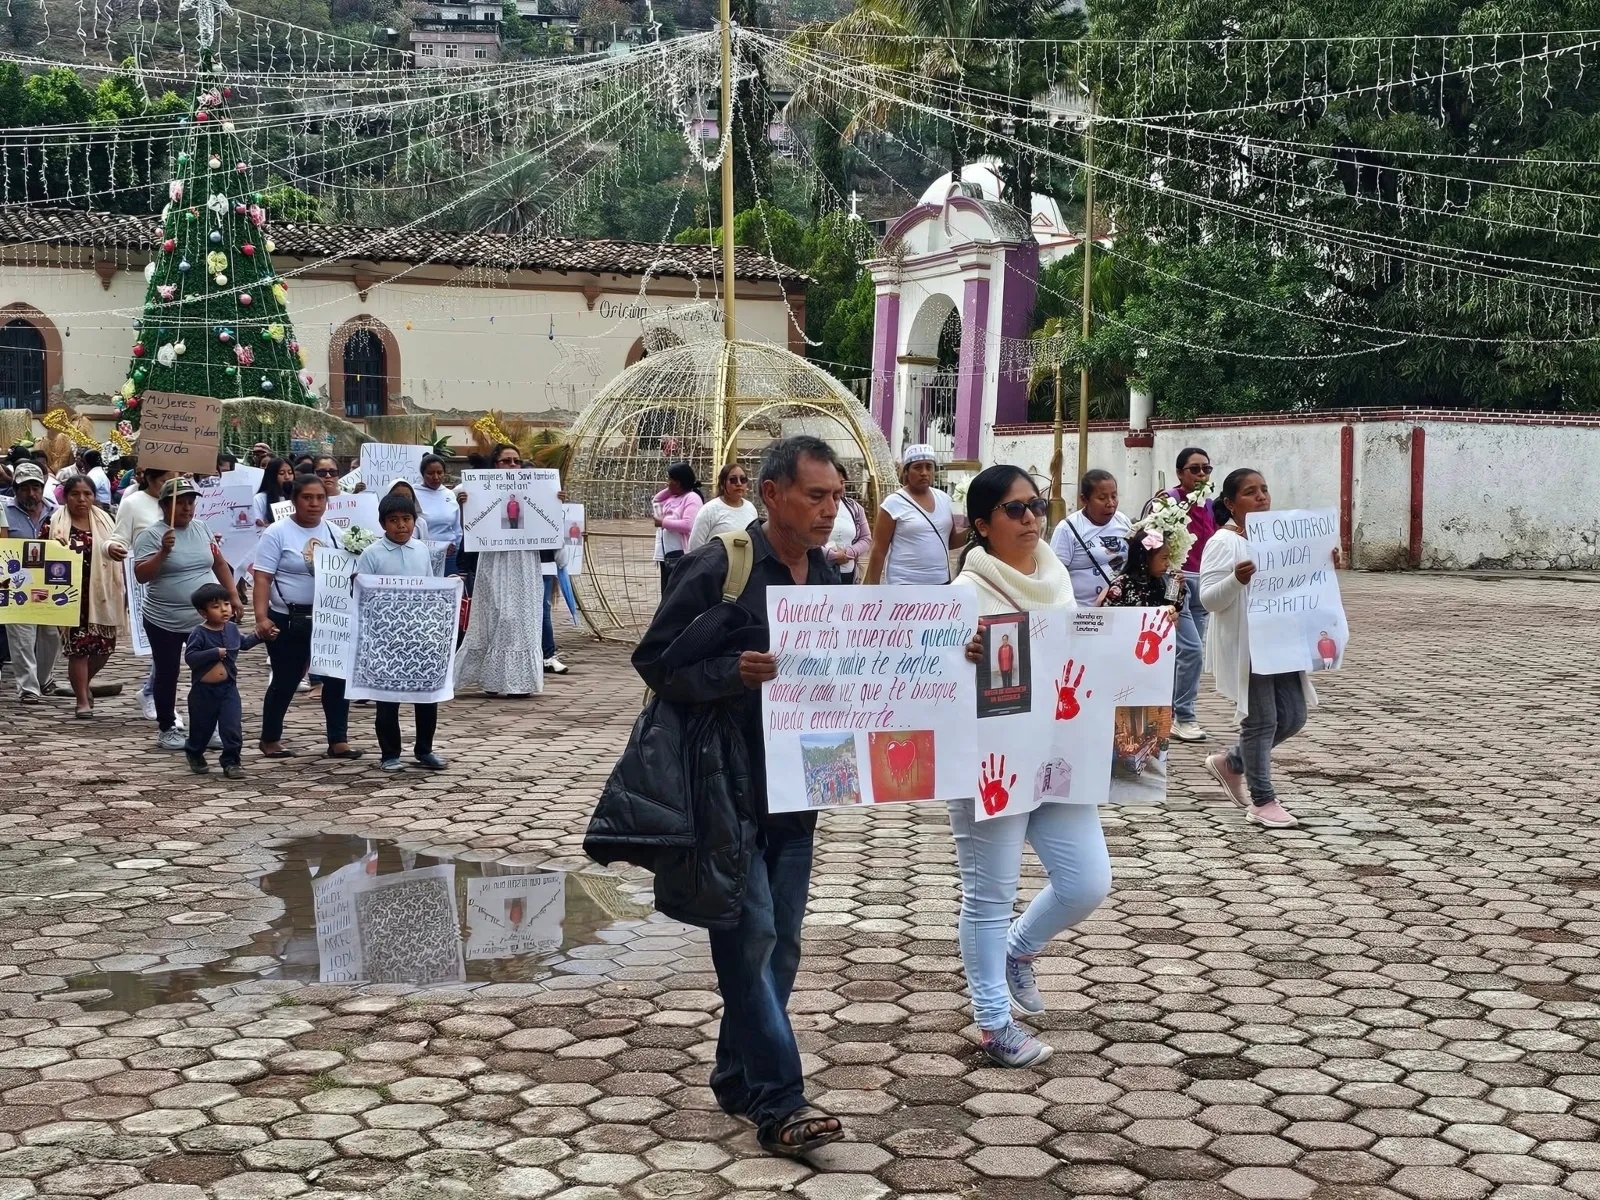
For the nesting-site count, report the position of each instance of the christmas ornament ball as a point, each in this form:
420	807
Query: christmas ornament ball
266	386
183	267
216	237
245	299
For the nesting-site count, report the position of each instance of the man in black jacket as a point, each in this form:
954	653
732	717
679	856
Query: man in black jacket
757	1073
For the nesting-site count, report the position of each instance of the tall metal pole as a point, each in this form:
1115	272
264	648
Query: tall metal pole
1088	276
727	171
1058	501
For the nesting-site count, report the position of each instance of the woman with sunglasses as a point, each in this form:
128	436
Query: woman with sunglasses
729	511
1013	570
326	468
503	650
1194	478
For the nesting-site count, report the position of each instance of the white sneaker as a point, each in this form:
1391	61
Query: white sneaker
147	706
171	739
303	686
1188	731
215	743
555	666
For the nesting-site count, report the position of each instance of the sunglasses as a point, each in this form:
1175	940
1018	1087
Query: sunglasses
738	479
509	462
1016	508
327	472
1199	468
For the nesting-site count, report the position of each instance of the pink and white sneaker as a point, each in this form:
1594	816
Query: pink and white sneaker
1273	815
1232	782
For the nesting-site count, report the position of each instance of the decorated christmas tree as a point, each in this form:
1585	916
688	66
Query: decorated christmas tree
216	317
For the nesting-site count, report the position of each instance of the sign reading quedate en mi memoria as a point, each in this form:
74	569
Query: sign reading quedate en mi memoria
1297	619
512	510
179	433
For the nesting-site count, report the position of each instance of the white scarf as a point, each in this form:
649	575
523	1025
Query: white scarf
1048	587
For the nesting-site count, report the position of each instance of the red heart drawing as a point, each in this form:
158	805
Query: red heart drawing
901	756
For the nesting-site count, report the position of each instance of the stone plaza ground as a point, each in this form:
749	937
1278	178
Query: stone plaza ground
1398	999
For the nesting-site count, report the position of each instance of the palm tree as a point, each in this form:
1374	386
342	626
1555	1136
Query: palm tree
513	203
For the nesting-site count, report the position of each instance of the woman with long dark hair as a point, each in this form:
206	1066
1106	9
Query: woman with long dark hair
1012	569
276	479
675	508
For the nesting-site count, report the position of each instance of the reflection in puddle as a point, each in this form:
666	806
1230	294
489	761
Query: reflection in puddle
363	910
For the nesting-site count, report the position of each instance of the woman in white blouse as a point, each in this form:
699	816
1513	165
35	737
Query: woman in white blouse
729	511
1092	543
441	508
915	529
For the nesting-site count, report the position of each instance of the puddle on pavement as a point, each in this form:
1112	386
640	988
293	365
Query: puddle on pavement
371	911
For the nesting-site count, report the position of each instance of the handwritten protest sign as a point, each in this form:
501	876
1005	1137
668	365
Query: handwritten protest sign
384	462
515	914
135	591
405	638
40	583
1051	688
282	510
360	510
334	908
179	433
512	510
874	698
333	614
1297	620
228	510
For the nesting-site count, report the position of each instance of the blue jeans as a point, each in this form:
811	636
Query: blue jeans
757	1073
1277	713
549	625
1192	621
1069	842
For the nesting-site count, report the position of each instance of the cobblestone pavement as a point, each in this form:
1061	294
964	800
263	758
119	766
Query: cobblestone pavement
1399	998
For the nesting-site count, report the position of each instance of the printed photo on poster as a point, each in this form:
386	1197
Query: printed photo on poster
1004	676
38	583
58	573
832	774
902	765
33	554
1140	738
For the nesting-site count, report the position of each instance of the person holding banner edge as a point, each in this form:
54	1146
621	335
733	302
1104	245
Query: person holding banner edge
1271	708
285	587
1012	569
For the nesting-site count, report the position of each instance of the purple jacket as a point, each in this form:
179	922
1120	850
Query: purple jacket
1202	523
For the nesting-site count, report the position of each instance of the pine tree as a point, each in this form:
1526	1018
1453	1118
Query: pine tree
216	317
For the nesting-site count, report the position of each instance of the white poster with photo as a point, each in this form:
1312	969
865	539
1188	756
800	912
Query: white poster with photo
571	541
405	639
512	510
360	509
138	639
1053	689
1296	620
408	927
515	914
334	909
384	462
333	613
874	697
228	510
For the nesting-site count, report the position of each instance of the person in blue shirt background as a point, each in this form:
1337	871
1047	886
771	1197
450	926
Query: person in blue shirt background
399	553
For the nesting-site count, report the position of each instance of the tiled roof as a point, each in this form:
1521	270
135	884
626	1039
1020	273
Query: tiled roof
75	227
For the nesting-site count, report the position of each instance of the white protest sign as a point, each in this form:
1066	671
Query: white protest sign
571	541
228	510
333	905
349	483
405	638
282	510
333	613
384	462
244	476
438	555
360	509
1296	618
136	593
874	698
515	914
512	510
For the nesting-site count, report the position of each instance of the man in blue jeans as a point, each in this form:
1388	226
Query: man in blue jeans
1194	471
757	1073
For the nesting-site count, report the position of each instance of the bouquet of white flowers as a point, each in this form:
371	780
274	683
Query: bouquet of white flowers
356	539
1167	524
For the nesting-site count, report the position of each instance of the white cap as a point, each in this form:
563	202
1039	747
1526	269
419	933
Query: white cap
921	452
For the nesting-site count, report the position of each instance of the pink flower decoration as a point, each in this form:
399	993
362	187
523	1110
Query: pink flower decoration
244	354
167	290
258	215
1153	540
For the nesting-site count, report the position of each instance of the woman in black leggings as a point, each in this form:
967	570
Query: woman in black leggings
284	591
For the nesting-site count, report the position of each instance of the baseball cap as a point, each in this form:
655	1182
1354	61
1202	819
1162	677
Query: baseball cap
27	473
181	486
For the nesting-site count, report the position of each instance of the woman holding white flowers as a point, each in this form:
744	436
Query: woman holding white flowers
285	587
1192	493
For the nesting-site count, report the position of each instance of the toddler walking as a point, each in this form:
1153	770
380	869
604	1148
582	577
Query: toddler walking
212	653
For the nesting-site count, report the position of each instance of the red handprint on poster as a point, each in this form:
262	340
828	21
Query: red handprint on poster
1067	705
993	788
1148	648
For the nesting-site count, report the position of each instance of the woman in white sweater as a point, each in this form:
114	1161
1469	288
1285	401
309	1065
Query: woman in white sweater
1270	708
729	511
1013	569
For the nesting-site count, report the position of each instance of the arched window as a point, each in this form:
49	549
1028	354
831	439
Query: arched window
22	374
366	374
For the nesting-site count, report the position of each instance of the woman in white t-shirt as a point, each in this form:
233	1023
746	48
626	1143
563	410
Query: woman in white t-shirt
729	511
276	477
915	529
1092	543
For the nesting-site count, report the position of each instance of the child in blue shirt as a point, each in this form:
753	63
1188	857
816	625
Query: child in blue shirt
399	553
212	653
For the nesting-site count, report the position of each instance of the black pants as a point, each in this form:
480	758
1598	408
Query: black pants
388	725
667	563
166	660
215	707
290	654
